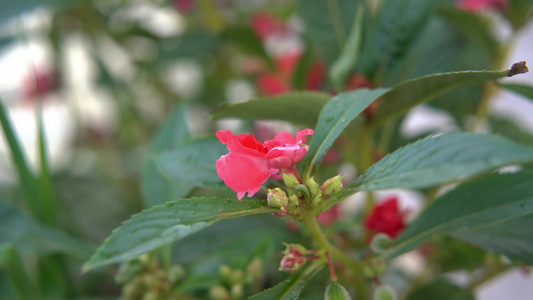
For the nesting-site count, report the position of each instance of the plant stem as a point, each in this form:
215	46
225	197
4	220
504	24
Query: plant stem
310	221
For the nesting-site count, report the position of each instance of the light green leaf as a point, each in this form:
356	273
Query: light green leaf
335	291
334	118
13	265
297	107
328	23
30	236
408	94
493	212
345	64
291	288
521	89
168	223
193	162
157	187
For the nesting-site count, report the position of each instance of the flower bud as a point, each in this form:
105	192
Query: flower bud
290	180
236	291
176	273
332	185
277	198
293	200
294	258
381	243
218	292
375	267
313	187
384	292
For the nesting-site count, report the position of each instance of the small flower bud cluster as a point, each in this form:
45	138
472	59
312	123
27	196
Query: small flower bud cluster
295	258
232	281
144	279
310	191
374	267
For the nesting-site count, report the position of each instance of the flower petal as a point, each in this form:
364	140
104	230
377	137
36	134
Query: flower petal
243	173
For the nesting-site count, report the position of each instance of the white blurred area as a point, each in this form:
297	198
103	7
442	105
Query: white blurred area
81	103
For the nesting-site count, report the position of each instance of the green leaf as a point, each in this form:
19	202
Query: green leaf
441	159
291	288
521	89
440	289
335	291
29	236
193	162
157	187
493	212
334	118
519	12
345	64
13	265
388	41
508	128
246	38
297	107
408	94
27	179
474	26
168	223
191	44
11	9
328	23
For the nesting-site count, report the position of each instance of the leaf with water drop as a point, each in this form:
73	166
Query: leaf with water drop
168	223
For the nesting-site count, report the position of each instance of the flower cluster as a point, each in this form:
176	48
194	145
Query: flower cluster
250	163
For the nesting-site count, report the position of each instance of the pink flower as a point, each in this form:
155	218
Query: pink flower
250	163
386	217
479	5
39	84
184	6
265	25
330	216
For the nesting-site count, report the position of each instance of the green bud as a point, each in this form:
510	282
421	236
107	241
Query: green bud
302	190
290	180
374	267
381	243
384	292
236	291
225	272
151	295
255	267
176	273
294	200
218	292
313	187
277	198
332	185
236	277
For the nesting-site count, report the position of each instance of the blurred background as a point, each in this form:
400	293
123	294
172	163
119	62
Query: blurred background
100	77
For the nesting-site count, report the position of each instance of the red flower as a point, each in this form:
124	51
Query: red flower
330	216
39	84
479	5
184	6
265	25
250	163
386	218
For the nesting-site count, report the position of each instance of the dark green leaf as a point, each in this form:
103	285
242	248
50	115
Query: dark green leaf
291	288
509	128
298	108
30	236
246	38
521	89
474	26
168	223
193	162
334	118
519	12
335	291
13	265
157	187
442	159
328	23
408	94
387	42
190	44
440	289
493	212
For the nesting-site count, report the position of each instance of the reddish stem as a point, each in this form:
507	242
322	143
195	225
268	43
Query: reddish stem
296	173
331	268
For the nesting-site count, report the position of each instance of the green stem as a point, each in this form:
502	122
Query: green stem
310	221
